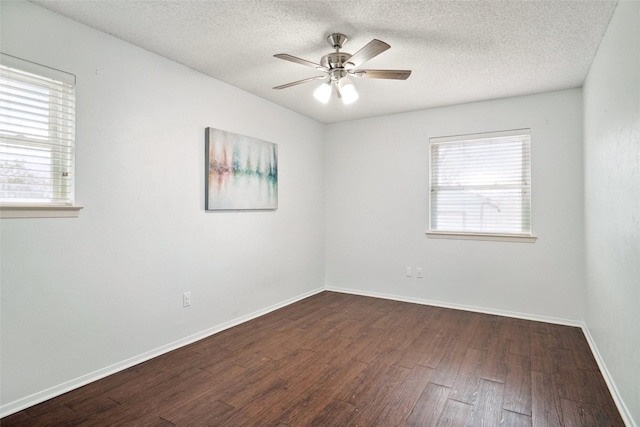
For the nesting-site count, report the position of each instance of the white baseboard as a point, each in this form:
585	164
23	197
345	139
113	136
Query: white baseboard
57	390
484	310
622	408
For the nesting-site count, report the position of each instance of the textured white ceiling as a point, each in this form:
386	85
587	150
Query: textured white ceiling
459	51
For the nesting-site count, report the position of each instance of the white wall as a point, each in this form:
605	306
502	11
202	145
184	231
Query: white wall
377	190
612	201
79	295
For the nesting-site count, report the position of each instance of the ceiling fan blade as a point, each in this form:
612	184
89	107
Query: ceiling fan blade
310	79
301	61
372	49
382	74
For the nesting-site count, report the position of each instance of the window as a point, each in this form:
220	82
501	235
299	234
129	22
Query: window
480	186
37	133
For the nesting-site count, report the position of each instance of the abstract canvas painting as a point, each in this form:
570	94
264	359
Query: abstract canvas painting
241	172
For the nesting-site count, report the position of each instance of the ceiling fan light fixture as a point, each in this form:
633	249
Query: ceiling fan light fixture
337	65
348	91
323	93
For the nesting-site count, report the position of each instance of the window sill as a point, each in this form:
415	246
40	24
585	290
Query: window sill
480	236
35	211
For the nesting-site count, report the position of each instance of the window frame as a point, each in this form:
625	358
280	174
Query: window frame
525	237
35	209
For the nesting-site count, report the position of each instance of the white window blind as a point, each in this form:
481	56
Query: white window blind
37	134
481	184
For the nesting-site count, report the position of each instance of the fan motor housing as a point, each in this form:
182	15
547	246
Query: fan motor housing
335	60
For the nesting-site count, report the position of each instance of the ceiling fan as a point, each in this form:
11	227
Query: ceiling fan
337	66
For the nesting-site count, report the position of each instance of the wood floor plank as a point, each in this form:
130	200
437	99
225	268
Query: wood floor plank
495	366
18	419
577	343
487	411
270	406
601	404
224	371
545	402
399	337
333	350
95	397
455	414
59	415
348	328
155	388
427	349
338	380
467	383
517	391
303	373
313	340
251	385
457	324
449	366
429	407
127	414
321	315
484	330
385	322
572	382
541	358
264	408
302	367
170	397
336	413
400	405
413	314
583	358
514	419
161	422
206	410
568	338
338	359
379	396
357	349
576	414
367	344
95	405
363	310
372	378
518	336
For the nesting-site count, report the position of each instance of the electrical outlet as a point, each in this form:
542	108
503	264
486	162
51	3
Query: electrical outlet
419	272
409	272
186	299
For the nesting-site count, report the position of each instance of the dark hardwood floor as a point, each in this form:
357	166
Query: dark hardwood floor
343	360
